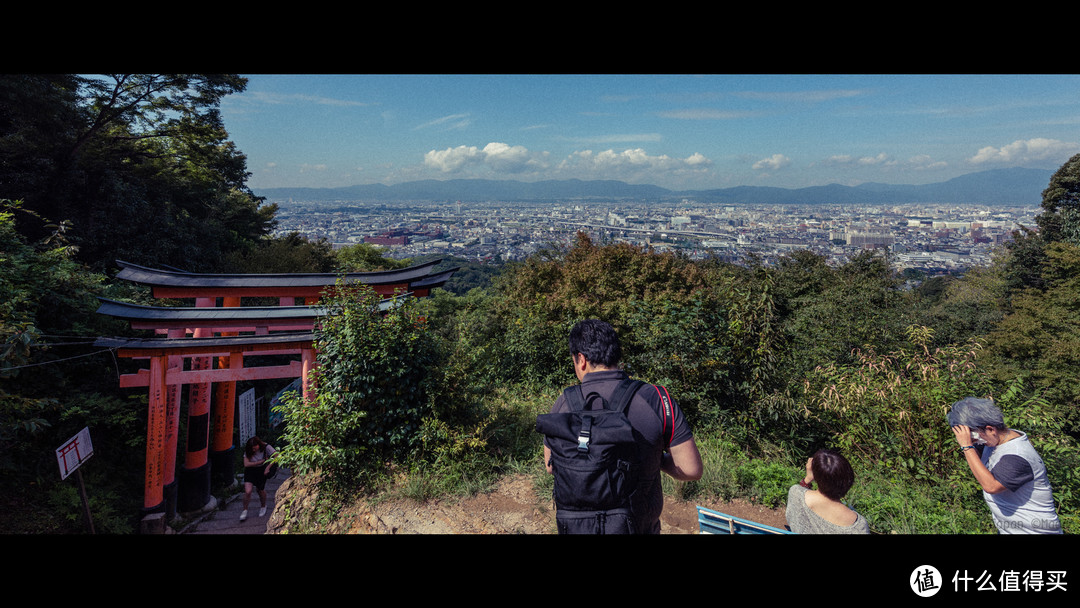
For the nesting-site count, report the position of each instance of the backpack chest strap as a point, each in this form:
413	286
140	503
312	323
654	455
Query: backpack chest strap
585	434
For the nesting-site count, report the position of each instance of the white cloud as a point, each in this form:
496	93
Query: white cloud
923	162
612	164
698	159
863	161
451	160
451	122
504	158
772	163
499	157
880	159
1023	151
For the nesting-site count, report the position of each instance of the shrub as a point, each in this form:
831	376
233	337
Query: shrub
766	482
370	390
683	346
893	507
891	408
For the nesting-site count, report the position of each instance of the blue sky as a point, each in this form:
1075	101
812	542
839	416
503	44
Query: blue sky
676	131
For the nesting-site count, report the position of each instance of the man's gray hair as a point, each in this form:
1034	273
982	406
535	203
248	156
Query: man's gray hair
976	413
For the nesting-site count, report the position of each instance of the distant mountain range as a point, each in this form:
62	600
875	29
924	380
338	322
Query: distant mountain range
995	187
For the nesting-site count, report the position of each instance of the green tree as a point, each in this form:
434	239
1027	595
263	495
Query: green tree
53	382
685	346
964	307
470	274
1060	219
365	257
139	164
1025	256
826	313
540	300
1039	340
292	252
370	390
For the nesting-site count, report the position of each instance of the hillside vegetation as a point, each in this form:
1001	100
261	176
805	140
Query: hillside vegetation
769	364
440	397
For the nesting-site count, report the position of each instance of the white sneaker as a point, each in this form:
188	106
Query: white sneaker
262	511
243	515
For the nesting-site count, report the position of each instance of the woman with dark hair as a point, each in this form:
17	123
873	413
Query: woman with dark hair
820	511
256	469
1007	467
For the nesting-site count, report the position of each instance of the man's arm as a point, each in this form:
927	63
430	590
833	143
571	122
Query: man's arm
683	461
986	479
547	458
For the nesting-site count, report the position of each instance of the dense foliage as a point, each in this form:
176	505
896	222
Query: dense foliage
370	389
888	408
1060	220
140	166
52	385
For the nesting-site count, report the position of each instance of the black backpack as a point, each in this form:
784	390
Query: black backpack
594	460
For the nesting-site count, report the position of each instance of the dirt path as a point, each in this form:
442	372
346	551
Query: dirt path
513	507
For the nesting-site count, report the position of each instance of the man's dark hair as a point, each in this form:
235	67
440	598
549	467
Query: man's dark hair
832	473
596	340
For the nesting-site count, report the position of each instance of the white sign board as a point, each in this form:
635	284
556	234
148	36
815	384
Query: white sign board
247	415
75	452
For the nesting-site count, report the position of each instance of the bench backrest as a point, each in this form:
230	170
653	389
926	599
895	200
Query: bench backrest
715	522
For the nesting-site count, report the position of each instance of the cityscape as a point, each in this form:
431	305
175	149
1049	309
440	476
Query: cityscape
928	238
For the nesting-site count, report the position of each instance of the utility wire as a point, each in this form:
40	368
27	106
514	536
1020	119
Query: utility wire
4	369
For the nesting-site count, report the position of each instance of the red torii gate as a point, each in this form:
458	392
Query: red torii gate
226	333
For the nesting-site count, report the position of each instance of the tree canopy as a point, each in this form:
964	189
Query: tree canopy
1060	220
140	165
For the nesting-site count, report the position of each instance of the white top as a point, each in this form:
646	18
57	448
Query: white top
1029	507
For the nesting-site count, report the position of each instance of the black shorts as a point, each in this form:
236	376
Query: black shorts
256	476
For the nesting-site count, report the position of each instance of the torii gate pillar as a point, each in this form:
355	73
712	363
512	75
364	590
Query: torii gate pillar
194	492
223	415
153	495
172	432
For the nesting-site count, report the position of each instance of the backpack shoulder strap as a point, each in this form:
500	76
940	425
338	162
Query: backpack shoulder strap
574	398
624	394
620	399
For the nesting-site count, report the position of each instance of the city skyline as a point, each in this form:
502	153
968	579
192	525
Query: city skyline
676	131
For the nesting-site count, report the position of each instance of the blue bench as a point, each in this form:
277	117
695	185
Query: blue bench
715	522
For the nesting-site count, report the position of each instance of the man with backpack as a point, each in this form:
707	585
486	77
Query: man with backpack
607	440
